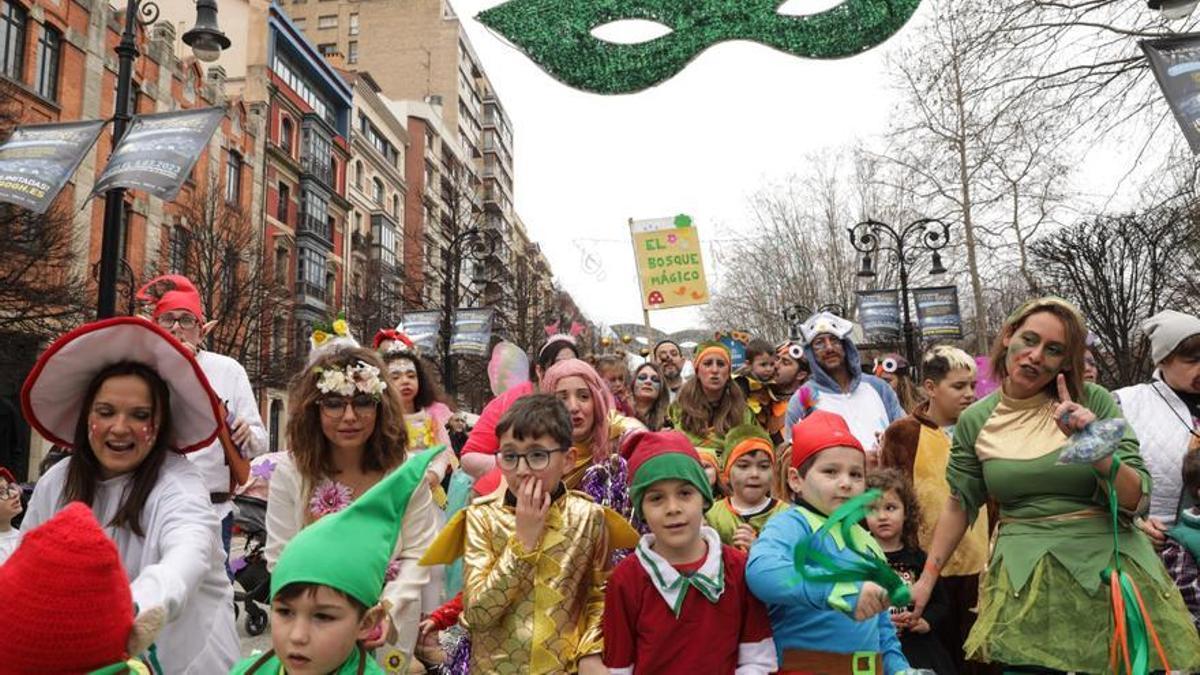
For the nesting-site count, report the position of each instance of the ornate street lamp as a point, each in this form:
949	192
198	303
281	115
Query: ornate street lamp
871	236
207	41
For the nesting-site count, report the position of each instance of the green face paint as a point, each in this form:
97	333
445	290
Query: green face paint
556	34
1053	354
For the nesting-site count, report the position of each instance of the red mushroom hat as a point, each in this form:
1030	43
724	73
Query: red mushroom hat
52	397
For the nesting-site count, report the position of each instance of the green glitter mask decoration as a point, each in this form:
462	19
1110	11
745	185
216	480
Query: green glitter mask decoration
557	34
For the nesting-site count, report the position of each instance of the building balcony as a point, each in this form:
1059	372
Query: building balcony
311	295
315	227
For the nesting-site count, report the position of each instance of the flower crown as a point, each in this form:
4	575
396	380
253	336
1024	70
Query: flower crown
360	376
322	332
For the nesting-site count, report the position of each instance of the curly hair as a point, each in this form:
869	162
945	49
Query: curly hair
385	449
894	480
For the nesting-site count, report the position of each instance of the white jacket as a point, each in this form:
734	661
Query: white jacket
179	565
1161	421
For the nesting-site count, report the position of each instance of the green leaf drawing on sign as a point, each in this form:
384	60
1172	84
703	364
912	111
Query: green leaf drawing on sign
683	220
557	34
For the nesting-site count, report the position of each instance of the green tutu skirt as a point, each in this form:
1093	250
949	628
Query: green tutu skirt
1055	623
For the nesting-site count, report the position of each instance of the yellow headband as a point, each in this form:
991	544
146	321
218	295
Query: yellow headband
709	350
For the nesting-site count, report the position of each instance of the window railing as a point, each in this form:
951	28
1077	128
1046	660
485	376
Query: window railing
315	225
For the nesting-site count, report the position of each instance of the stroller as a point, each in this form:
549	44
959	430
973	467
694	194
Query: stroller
250	569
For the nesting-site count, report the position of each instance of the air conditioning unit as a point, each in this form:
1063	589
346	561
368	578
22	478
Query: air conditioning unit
1173	9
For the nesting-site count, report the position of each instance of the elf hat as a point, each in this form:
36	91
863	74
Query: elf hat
52	397
708	457
385	334
659	455
68	607
170	292
349	551
819	431
743	440
711	348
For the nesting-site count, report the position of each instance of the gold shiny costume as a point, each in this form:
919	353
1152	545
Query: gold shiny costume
533	611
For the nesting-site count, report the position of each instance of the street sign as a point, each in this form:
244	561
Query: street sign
669	261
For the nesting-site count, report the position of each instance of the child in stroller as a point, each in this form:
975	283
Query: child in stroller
250	518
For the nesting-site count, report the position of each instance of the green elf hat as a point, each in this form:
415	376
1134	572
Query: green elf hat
709	348
350	550
660	455
743	440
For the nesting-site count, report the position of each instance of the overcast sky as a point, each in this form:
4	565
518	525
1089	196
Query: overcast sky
741	114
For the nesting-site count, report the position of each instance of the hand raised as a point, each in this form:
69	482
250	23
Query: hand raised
532	505
1069	415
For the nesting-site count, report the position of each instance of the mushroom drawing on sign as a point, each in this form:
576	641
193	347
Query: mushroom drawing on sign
655	298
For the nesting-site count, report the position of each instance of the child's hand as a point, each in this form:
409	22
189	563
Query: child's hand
872	600
744	536
592	665
920	626
425	627
532	505
378	637
900	621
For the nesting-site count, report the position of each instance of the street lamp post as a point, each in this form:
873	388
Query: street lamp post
871	236
206	41
478	243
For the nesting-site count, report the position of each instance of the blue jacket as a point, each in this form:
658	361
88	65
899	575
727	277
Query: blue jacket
822	384
811	615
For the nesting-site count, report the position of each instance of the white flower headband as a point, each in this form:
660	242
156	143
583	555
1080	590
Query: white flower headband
360	376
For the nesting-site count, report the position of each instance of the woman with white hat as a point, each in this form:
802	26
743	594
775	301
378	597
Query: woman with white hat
129	400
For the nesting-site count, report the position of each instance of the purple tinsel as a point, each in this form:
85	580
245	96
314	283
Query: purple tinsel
456	642
607	484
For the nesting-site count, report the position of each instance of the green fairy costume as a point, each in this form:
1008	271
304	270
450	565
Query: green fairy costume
1042	599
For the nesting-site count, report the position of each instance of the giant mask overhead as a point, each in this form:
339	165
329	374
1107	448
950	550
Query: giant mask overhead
557	34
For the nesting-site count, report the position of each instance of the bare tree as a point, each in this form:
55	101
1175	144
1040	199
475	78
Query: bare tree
216	246
977	148
1121	270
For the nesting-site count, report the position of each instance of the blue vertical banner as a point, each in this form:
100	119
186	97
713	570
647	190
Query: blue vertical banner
423	328
157	153
938	315
472	332
880	316
37	161
1175	62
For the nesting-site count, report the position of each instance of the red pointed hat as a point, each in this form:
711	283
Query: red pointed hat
820	430
170	292
52	397
67	603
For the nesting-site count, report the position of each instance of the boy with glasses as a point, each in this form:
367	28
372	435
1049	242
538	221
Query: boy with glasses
10	508
536	555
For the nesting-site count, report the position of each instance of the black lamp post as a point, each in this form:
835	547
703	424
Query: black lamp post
868	238
476	244
206	41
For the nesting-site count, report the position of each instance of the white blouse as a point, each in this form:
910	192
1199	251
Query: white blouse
178	565
288	512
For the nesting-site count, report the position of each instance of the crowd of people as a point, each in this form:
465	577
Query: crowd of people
806	512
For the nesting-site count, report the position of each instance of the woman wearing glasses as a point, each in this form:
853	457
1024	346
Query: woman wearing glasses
650	398
346	432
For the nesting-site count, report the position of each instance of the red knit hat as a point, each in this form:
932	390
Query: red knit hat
170	292
819	431
68	607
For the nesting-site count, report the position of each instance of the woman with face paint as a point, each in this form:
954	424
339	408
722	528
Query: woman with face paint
651	399
711	403
129	399
1055	539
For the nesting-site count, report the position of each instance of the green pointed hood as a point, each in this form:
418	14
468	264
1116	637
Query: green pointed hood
350	550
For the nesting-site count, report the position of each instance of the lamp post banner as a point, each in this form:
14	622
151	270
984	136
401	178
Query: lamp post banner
423	328
669	262
938	314
1176	63
37	161
157	153
472	332
880	316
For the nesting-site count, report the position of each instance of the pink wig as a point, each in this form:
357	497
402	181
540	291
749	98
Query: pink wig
602	400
